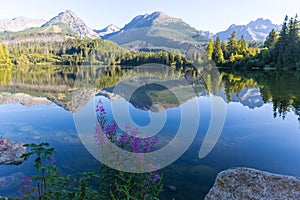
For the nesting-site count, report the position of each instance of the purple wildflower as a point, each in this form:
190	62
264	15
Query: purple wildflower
111	129
146	184
52	160
26	180
4	149
123	139
127	127
154	178
135	144
147	145
102	109
99	136
155	167
98	129
27	187
134	132
154	140
1	142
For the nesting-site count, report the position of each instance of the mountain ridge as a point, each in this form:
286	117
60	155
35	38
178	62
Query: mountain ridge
257	30
108	30
19	23
157	31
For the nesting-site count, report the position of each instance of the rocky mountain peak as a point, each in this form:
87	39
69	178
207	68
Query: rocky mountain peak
147	20
67	17
108	30
76	25
254	30
19	24
261	24
161	17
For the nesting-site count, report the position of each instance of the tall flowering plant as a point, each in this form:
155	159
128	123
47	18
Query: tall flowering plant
50	184
123	185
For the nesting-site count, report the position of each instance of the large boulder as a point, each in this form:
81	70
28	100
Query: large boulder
11	152
245	183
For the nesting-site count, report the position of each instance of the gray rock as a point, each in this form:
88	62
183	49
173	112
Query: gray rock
245	183
11	152
172	188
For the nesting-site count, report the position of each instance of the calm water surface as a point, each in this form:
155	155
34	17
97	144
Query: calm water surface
261	127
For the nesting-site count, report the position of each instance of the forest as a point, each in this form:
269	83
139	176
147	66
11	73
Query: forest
281	50
72	51
81	51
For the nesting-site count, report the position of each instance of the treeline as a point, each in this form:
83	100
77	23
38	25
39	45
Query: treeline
172	59
79	51
280	50
233	50
74	51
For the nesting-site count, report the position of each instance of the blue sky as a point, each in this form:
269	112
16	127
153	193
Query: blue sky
213	15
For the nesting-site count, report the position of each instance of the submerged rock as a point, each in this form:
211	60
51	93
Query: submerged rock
11	152
245	183
172	188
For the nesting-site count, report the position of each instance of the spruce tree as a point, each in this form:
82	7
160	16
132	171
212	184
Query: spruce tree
271	40
218	55
210	49
231	45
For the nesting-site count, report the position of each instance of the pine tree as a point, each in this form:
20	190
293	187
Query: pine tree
286	51
271	40
210	49
218	55
223	47
231	45
243	46
279	51
293	38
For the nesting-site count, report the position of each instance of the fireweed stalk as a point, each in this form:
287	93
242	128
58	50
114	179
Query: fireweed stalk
48	183
123	185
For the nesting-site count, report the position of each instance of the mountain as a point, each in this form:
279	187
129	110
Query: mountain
67	22
23	99
157	31
251	98
19	24
108	30
255	30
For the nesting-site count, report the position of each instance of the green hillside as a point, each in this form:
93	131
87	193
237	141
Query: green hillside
158	31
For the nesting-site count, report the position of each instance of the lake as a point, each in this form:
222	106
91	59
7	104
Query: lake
261	127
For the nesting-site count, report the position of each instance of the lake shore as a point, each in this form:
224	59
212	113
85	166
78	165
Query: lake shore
247	183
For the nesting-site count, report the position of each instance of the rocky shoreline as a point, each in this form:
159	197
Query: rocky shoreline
11	152
246	183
